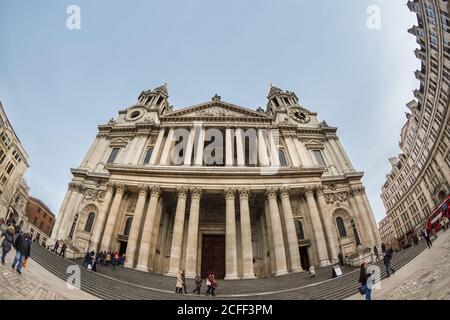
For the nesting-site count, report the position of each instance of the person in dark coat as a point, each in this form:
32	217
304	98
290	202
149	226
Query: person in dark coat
63	250
383	248
375	252
7	242
426	234
387	261
55	248
364	277
23	250
198	284
88	260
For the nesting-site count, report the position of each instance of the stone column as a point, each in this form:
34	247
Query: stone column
139	148
274	159
246	236
305	156
339	157
330	231
157	148
71	210
60	217
135	227
192	237
102	215
189	147
111	221
277	233
147	230
200	147
167	151
177	237
240	147
375	231
229	159
230	237
294	254
363	215
88	156
262	149
334	157
317	226
292	150
364	237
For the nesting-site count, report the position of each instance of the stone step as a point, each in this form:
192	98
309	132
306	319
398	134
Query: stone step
149	286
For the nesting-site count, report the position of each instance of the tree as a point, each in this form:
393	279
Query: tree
8	196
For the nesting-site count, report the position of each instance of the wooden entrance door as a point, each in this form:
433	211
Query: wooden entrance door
213	256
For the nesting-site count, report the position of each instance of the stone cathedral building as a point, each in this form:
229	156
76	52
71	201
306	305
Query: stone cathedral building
218	187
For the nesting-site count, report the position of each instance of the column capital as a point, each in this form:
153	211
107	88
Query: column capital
284	192
196	193
109	186
229	193
143	189
309	190
271	193
120	188
244	193
320	189
182	192
155	191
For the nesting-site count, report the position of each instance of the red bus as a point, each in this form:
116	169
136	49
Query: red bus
434	219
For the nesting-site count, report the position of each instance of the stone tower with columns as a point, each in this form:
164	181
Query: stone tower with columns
216	187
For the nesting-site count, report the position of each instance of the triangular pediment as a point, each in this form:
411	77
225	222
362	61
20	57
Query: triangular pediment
314	144
215	109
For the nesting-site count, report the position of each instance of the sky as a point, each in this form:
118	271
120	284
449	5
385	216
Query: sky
57	85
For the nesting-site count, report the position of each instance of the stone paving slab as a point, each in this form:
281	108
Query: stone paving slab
35	283
426	277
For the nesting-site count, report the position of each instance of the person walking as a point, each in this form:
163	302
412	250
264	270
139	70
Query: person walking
198	284
87	263
426	235
383	248
23	251
364	278
179	287
387	262
7	242
212	284
375	252
312	272
55	248
63	250
183	274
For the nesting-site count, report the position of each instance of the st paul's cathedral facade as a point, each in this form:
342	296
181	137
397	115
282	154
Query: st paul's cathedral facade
218	188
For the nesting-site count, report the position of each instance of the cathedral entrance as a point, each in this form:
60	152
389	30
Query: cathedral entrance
304	257
213	256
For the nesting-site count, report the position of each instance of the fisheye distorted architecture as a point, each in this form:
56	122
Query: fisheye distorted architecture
218	187
420	176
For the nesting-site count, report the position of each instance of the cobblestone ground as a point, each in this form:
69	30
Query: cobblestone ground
35	283
426	277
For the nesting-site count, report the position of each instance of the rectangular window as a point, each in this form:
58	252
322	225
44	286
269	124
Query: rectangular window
148	155
319	158
113	155
9	168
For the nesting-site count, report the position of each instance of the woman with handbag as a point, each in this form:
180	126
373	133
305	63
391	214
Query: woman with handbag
7	242
364	277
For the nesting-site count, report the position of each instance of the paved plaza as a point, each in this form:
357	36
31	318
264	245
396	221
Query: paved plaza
35	283
426	277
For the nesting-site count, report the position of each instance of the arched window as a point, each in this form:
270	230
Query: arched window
299	230
126	232
282	157
341	227
89	222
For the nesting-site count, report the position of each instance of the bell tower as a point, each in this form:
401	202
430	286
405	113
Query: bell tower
156	99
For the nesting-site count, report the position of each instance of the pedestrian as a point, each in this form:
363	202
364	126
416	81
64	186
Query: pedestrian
87	263
23	250
383	248
425	233
312	272
63	250
7	242
179	287
387	261
446	221
364	278
184	281
198	284
212	284
55	248
375	252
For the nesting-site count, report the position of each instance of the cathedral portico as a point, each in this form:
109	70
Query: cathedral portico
217	188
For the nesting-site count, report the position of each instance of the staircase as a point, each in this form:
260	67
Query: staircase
125	284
